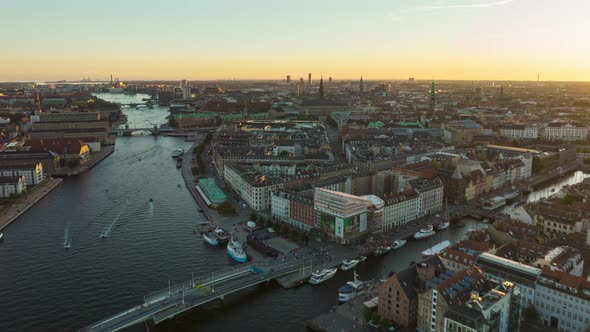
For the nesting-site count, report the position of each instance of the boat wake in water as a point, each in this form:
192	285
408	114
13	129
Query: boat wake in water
109	229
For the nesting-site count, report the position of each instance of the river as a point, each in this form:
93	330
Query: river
44	287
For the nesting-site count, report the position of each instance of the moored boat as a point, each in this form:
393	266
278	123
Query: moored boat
348	264
235	250
443	225
177	153
398	244
361	258
381	251
425	232
352	289
222	235
211	238
322	275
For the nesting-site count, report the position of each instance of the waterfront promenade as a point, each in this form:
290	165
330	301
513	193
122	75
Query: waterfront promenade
11	212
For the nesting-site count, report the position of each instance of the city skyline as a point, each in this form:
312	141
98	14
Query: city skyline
444	40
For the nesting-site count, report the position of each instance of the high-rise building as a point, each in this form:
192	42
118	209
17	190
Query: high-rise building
186	92
321	90
288	78
361	86
432	97
309	79
183	84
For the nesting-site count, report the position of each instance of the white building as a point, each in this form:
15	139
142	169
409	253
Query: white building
256	191
430	193
280	206
33	172
10	185
400	209
564	132
520	132
563	301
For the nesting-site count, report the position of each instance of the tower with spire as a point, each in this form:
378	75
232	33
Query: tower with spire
322	91
361	86
432	97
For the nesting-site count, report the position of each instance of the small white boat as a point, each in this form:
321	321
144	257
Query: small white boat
67	245
442	226
235	250
486	220
1	236
425	232
104	235
321	276
352	289
398	244
381	251
211	238
436	249
348	264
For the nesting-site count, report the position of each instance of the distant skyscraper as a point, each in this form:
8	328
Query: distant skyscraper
309	78
432	97
411	80
186	92
183	84
321	90
288	78
299	87
361	86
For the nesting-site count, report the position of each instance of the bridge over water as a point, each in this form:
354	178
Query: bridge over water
155	130
178	298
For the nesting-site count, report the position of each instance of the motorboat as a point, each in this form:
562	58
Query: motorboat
398	244
352	289
104	235
348	264
235	250
486	220
177	153
200	210
381	251
322	275
211	238
425	232
361	259
443	225
67	245
222	236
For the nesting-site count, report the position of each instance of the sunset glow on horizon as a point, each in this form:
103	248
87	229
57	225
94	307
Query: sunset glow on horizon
460	39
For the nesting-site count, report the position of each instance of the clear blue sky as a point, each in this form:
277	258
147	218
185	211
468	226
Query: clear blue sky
454	39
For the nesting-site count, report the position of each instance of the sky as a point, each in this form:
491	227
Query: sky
269	39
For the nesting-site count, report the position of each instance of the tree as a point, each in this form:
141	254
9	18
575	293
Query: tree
173	123
253	215
531	313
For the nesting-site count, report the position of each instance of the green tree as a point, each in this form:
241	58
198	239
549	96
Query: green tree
253	216
173	123
531	313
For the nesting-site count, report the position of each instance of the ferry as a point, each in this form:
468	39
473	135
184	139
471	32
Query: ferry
443	225
177	153
211	238
348	264
235	250
425	232
352	289
381	251
322	275
398	244
221	234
